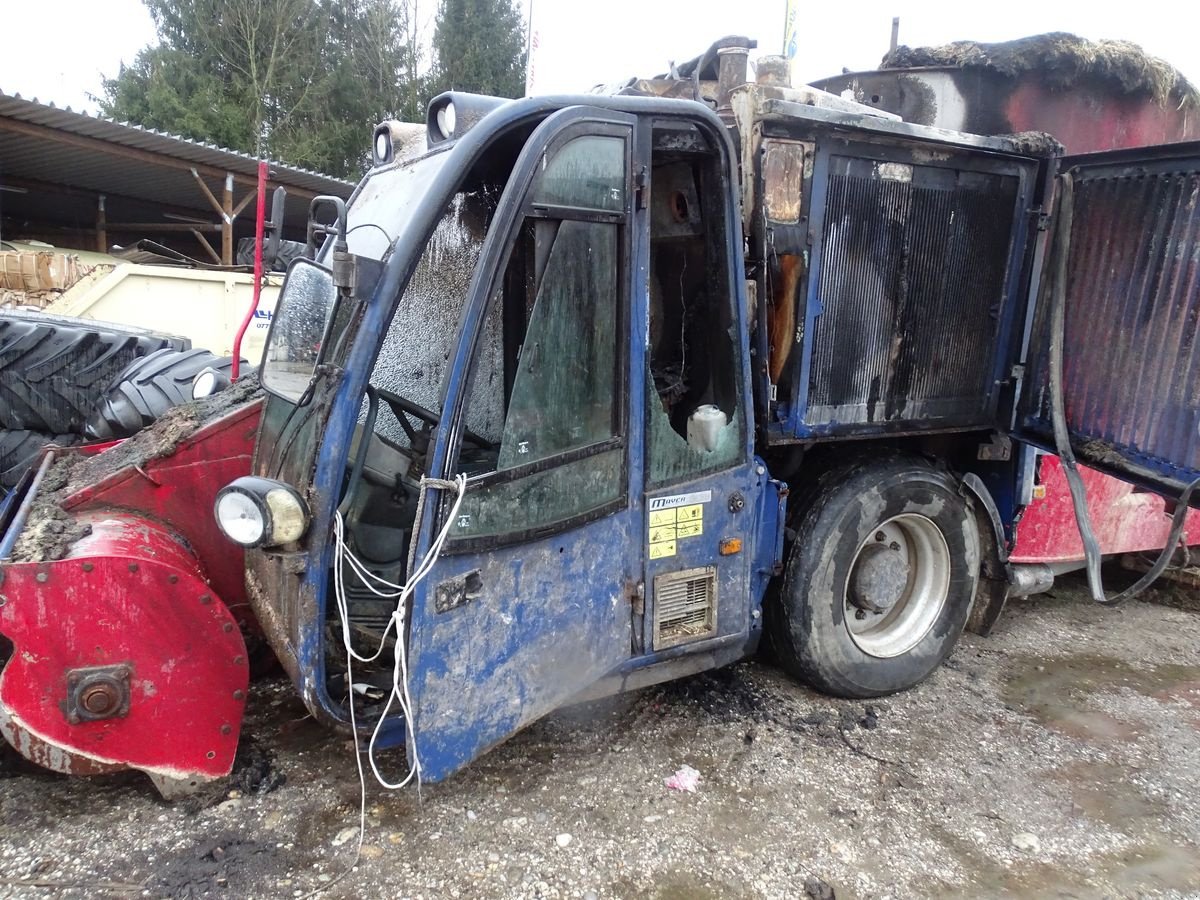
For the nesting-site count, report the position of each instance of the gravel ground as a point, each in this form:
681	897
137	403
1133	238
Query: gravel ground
1058	757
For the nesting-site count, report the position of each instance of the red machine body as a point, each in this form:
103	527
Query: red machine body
128	653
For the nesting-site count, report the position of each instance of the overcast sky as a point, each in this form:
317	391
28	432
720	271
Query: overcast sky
58	50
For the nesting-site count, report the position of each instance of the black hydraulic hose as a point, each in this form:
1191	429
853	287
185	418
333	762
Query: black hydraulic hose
1062	440
364	443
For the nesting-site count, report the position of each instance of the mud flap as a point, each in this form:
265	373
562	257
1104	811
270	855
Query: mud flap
123	658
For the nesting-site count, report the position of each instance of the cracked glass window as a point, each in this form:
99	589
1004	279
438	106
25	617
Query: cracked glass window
558	302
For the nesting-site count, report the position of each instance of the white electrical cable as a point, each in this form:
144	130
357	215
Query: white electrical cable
400	691
399	668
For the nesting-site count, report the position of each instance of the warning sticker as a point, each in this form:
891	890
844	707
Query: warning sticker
662	534
673	519
666	548
662	517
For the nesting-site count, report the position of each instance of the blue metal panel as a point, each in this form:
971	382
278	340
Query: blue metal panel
917	262
553	616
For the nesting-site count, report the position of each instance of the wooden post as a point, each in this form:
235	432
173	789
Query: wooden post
101	226
227	223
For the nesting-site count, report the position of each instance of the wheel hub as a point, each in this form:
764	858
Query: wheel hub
879	578
897	586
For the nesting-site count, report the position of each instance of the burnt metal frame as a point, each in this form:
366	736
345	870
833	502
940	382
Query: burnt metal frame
1028	425
788	420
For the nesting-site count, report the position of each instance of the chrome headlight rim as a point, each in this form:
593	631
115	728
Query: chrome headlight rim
282	513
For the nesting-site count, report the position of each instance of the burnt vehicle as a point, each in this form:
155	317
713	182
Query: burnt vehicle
591	392
601	391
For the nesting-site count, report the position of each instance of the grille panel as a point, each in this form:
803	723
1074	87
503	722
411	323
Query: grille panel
1132	356
685	607
912	294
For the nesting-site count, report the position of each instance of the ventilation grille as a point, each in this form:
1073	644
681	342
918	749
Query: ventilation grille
912	292
685	607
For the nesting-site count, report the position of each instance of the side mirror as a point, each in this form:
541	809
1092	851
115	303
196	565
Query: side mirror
318	230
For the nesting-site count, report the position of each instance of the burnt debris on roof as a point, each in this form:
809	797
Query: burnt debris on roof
1062	60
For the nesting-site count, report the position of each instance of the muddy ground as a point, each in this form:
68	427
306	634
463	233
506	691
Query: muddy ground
1059	757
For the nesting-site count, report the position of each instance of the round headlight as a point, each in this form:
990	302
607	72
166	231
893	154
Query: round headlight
383	146
240	518
289	518
260	512
447	118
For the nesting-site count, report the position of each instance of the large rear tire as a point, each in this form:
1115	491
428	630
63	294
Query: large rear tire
19	449
880	579
54	369
147	389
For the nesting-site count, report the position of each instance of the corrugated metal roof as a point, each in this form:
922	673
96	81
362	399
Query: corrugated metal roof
14	106
59	160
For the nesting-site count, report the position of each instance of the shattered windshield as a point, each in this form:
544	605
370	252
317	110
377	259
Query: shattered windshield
374	219
421	338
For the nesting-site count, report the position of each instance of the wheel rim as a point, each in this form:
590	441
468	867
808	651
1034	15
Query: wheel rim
898	585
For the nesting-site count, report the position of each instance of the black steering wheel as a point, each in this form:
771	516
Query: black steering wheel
420	440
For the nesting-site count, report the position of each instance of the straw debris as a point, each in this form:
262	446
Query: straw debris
1063	60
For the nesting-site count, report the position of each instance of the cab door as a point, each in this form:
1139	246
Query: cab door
1125	265
703	489
530	601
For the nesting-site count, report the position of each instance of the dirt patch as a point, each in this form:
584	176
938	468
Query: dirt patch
1063	61
254	769
789	812
50	530
214	868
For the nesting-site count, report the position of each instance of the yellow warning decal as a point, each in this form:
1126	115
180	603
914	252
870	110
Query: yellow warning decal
662	534
670	525
662	517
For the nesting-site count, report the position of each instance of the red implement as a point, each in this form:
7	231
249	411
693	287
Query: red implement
128	653
1125	519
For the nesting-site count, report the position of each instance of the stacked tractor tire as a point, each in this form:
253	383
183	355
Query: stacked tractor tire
64	381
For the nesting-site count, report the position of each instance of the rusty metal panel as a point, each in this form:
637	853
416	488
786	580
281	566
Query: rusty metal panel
913	295
1131	355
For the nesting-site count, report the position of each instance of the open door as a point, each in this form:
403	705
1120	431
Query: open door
531	600
1124	263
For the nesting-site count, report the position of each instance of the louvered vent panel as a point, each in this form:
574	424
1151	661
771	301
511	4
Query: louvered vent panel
685	607
912	291
1131	367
